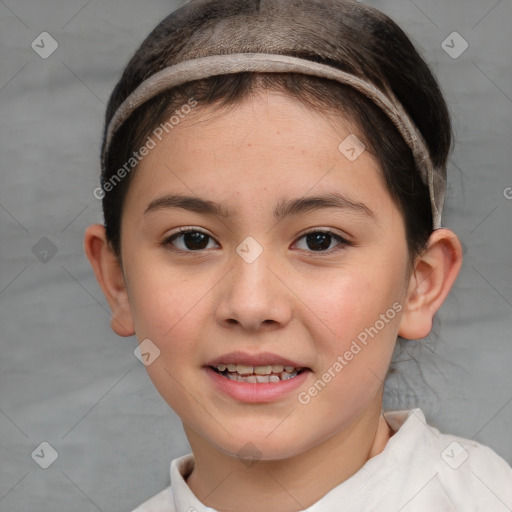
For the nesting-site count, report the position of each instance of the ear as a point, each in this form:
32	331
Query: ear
109	274
433	275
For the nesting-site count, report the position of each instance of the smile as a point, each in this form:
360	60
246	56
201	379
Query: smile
257	374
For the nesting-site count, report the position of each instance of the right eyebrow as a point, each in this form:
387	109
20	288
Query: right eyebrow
191	203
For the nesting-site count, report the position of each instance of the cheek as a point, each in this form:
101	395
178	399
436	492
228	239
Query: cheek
345	302
168	308
165	303
340	303
355	312
360	322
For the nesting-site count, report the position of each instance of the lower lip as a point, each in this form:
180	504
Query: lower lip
256	392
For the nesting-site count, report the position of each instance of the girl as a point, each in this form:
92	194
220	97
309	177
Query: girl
273	177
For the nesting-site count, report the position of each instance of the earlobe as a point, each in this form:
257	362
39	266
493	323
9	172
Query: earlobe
433	275
109	274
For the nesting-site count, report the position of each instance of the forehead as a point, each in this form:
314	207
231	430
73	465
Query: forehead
268	145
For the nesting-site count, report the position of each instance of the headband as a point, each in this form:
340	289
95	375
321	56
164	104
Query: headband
204	67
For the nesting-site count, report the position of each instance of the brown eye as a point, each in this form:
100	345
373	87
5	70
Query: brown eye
189	240
320	241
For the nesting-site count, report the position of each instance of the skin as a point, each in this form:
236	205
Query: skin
302	304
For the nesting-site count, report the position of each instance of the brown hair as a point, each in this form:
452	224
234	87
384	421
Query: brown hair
347	35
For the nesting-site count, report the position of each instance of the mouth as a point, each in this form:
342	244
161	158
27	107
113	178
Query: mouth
257	374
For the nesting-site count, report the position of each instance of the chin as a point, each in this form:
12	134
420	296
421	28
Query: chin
260	445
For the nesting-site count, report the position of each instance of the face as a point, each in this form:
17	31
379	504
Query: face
304	263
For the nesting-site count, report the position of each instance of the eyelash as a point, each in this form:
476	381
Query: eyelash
342	241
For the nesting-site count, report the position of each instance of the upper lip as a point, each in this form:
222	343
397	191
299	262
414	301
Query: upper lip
258	359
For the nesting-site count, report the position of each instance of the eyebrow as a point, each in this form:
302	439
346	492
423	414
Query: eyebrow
284	208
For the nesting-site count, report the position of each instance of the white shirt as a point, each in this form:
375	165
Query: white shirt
419	470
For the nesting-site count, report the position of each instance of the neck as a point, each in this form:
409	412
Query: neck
221	482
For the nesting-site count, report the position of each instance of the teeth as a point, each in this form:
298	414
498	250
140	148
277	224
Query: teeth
263	370
258	374
266	378
244	369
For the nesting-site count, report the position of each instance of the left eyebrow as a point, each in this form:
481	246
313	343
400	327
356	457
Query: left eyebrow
284	208
306	204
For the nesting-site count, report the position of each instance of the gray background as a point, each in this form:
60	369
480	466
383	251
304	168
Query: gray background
67	379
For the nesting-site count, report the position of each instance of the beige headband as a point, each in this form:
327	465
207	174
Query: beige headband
205	67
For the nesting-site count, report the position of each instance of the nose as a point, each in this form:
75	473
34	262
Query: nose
254	296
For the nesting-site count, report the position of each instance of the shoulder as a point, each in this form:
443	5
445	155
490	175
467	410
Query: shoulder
474	471
161	502
464	473
176	493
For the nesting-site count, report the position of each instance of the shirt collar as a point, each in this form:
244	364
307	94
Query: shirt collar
404	424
